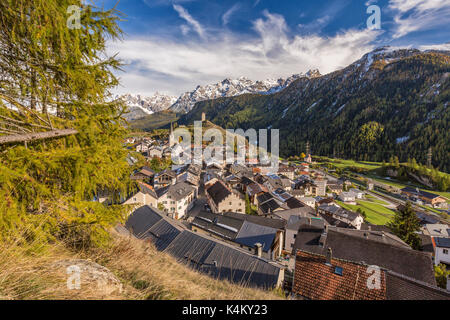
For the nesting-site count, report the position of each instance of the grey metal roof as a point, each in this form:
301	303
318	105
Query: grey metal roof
226	263
251	234
442	242
224	226
141	220
191	248
275	223
205	255
264	197
180	191
408	262
162	234
269	206
223	262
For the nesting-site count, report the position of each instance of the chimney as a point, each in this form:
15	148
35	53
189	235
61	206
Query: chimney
258	249
329	256
309	221
366	235
215	263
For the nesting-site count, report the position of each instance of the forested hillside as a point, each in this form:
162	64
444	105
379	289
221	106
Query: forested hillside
389	103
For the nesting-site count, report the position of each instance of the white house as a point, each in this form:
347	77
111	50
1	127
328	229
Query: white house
358	193
309	201
347	197
178	199
441	251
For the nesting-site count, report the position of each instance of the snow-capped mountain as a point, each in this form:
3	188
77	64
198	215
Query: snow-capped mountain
231	88
140	106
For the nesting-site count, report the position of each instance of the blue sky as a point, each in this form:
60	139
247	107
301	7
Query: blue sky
171	46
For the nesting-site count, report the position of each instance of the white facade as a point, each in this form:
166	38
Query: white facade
347	197
310	202
441	255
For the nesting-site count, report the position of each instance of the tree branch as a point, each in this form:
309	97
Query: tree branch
36	136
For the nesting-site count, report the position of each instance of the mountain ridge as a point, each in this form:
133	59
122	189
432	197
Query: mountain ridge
140	106
400	96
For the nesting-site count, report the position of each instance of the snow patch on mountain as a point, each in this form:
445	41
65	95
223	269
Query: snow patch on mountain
235	87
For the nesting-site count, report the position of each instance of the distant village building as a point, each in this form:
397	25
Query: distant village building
427	197
350	218
347	197
221	199
164	179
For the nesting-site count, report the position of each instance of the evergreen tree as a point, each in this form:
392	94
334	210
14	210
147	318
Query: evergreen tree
405	225
55	77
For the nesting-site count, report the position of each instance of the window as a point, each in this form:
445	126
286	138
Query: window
339	271
445	251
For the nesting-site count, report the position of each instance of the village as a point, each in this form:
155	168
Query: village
289	229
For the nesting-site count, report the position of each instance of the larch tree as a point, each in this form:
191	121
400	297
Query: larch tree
55	78
405	225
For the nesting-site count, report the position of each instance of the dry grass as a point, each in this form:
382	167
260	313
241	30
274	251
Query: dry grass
144	273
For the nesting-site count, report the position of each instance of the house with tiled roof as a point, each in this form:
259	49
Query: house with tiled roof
371	247
178	199
254	190
221	199
287	171
164	178
145	174
352	219
427	197
325	277
146	195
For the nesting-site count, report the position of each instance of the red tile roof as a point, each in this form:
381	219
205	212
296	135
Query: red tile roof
316	280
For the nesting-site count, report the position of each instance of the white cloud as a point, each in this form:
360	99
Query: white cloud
166	65
227	15
184	14
417	15
445	46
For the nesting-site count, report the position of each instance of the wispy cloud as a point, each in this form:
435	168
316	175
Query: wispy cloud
184	14
419	15
157	64
227	15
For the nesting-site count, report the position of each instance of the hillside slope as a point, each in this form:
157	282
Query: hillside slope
144	273
390	102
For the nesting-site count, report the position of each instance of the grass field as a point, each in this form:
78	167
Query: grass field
376	213
154	121
401	185
376	200
342	164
